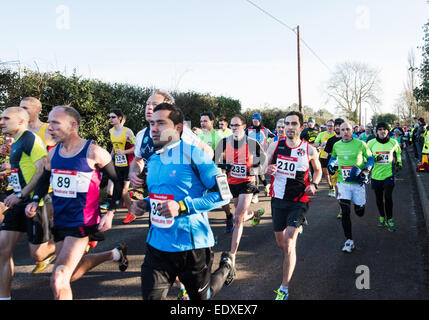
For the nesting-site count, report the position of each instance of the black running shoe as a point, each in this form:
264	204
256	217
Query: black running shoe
227	261
123	261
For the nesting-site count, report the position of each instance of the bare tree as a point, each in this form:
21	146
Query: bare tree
406	106
353	84
410	85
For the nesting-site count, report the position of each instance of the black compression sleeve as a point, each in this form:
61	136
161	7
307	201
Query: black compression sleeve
42	186
118	185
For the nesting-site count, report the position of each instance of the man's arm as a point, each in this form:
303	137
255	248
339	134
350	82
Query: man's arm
207	171
136	167
271	168
131	139
101	159
317	170
318	140
42	186
13	199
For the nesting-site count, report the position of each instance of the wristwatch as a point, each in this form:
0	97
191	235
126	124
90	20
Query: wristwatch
316	185
182	209
19	195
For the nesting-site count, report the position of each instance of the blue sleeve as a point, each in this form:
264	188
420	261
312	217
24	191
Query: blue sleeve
332	162
207	171
206	203
370	163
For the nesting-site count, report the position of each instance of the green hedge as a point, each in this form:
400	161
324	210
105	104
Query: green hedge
93	99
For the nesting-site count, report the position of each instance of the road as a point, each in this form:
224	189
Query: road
396	264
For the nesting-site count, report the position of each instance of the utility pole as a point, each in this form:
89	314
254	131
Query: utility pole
299	70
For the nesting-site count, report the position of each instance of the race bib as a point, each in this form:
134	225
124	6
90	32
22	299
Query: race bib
382	157
64	183
238	171
287	166
345	171
155	217
121	160
13	178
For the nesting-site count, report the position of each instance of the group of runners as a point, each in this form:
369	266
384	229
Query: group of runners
54	190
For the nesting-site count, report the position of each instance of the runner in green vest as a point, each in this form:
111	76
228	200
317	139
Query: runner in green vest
353	160
387	153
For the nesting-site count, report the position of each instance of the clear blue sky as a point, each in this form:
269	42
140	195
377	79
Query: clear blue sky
223	47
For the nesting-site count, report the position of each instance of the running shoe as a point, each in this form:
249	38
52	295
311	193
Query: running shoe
331	192
123	261
105	205
183	295
90	245
129	218
42	265
390	225
255	199
381	222
300	230
229	224
256	219
340	215
349	245
267	190
227	261
281	295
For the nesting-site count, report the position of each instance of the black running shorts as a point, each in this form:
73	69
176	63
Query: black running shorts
287	213
16	220
60	233
160	269
243	188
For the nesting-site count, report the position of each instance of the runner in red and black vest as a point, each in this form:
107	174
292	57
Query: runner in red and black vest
289	161
243	156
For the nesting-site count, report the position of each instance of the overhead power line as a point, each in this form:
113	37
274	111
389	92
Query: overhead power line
291	29
271	16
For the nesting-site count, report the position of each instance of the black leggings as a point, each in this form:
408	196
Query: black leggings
261	177
383	196
345	219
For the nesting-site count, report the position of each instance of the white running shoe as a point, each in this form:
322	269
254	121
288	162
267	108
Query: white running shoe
255	199
267	190
349	245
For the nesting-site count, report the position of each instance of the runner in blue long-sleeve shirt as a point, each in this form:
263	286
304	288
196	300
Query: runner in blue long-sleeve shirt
180	238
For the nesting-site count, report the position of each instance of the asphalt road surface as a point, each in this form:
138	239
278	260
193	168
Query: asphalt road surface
384	265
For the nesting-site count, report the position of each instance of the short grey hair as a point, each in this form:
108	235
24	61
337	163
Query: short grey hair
72	112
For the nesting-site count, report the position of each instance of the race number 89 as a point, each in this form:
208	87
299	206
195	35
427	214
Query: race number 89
63	182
